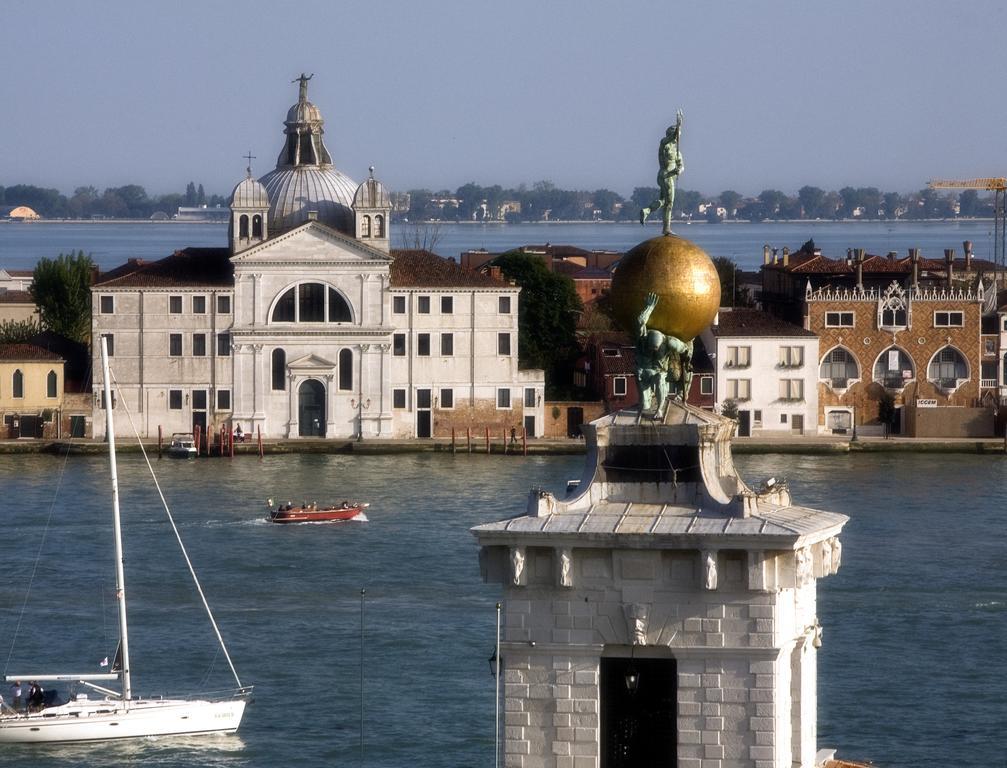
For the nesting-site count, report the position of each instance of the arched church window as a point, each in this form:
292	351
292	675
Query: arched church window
365	226
286	308
339	310
345	369
947	368
50	384
839	368
894	368
379	226
893	308
17	389
311	303
279	361
257	225
243	227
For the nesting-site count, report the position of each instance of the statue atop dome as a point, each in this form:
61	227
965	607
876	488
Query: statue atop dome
303	80
670	163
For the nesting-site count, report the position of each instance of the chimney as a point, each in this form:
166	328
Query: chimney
949	261
892	255
914	257
860	269
496	273
775	259
765	253
967	245
786	256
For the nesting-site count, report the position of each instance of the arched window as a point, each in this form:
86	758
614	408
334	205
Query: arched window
311	303
839	367
279	369
243	227
257	225
893	308
365	226
894	368
379	226
345	369
50	384
17	389
947	368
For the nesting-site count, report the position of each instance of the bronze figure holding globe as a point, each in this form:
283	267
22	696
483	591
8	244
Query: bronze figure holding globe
665	292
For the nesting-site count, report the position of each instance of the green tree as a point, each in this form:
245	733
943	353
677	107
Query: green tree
547	321
729	199
61	288
892	201
811	201
190	194
687	201
200	196
968	203
731	294
18	331
729	408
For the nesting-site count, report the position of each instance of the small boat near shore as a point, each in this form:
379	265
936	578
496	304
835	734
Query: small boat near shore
312	513
183	446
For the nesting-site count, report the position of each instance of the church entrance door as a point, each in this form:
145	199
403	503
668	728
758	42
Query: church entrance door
311	409
639	728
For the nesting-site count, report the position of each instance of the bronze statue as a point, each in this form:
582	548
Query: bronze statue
303	80
670	163
663	362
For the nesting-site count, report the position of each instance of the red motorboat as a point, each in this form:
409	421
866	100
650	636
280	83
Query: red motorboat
312	513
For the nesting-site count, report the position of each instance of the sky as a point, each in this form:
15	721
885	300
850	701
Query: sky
437	94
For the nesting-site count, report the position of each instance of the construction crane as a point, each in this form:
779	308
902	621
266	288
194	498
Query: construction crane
998	186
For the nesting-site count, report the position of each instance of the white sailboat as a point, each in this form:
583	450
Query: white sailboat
111	714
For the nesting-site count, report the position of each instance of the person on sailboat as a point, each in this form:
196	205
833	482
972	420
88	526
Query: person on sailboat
36	697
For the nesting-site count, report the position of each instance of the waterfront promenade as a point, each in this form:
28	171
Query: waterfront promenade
790	444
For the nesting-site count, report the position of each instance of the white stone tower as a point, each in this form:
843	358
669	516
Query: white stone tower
371	208
664	614
249	214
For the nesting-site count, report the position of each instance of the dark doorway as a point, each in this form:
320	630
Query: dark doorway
744	423
424	424
311	409
574	418
529	426
639	729
31	426
77	426
199	411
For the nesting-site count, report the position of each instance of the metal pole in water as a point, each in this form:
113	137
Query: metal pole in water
496	740
362	593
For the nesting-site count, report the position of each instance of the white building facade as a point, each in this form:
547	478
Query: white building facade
769	368
309	325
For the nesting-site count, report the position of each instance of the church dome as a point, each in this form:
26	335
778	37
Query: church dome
304	179
295	191
249	194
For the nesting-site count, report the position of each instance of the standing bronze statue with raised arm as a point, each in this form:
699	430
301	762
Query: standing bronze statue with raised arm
670	163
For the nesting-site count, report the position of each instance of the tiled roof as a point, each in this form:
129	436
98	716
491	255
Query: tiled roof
190	267
754	322
803	263
423	269
591	273
26	353
16	297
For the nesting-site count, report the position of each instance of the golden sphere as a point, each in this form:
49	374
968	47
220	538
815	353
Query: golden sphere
680	273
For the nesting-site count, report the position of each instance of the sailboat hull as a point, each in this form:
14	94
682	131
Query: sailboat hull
107	719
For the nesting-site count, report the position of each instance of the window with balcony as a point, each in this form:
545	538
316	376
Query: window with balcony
947	369
894	368
839	368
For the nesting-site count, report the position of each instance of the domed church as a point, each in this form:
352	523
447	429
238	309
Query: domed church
308	324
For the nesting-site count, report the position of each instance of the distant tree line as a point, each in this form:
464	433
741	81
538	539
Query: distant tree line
128	202
544	201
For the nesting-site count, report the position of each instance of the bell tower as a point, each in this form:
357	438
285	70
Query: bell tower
371	208
249	212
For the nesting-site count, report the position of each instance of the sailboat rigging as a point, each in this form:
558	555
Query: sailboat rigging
118	714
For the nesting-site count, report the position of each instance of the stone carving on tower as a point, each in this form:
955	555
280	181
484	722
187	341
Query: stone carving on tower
249	212
371	208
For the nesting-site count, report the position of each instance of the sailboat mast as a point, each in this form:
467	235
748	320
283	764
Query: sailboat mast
120	578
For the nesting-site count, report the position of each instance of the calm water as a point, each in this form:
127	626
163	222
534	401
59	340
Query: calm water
912	672
21	245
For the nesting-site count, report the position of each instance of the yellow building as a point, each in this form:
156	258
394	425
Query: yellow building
31	391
